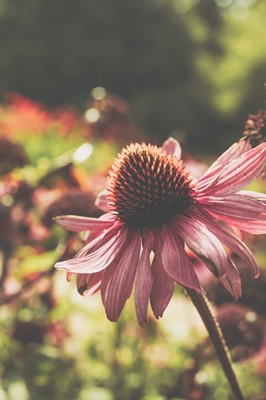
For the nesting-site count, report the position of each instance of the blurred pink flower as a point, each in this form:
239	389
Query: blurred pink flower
154	207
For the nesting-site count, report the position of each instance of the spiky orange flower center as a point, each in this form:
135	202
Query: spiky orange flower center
147	186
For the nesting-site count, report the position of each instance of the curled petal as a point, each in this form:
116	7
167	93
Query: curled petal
232	281
229	239
204	244
144	279
176	261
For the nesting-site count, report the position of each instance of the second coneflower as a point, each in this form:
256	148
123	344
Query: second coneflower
153	208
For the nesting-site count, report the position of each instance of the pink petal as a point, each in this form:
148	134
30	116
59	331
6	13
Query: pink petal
176	261
98	254
236	206
229	155
99	241
163	284
88	284
172	146
261	197
256	226
69	276
109	216
89	236
102	201
108	273
144	279
229	239
203	243
236	175
232	281
78	224
121	282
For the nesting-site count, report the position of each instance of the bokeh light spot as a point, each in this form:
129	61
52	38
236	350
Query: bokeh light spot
92	115
98	93
7	200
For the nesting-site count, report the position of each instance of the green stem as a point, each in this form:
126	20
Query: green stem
201	303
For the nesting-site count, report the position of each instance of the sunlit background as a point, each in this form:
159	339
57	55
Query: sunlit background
78	81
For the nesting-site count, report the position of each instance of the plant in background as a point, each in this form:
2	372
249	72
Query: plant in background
255	128
12	155
20	115
107	118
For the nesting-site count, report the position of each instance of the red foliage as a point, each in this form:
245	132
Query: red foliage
21	115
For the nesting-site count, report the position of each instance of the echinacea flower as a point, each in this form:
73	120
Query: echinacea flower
255	128
154	207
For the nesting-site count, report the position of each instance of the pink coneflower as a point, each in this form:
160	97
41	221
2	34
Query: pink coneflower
154	207
255	128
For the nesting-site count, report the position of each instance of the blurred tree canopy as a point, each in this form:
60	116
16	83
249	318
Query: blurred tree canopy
159	58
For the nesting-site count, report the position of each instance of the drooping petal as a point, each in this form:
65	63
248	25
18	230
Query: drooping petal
98	254
176	261
88	284
172	146
203	243
144	278
162	285
232	281
236	175
78	224
121	282
107	274
228	238
229	155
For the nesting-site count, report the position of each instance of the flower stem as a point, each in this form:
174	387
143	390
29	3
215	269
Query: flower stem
201	303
